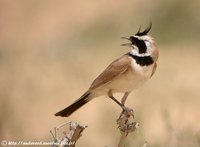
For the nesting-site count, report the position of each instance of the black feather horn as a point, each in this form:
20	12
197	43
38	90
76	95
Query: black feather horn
145	32
139	30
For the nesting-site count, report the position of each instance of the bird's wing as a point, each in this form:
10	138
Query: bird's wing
115	69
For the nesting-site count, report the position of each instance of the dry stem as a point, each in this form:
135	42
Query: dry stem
126	125
67	139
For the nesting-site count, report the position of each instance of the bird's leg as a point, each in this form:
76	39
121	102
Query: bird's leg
125	109
110	95
123	100
114	99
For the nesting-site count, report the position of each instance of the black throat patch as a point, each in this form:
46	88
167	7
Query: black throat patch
143	61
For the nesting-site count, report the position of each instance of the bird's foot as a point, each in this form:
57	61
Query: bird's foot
126	122
127	111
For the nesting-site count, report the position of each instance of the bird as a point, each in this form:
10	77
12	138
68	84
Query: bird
124	74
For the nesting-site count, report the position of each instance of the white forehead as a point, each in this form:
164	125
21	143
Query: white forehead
145	38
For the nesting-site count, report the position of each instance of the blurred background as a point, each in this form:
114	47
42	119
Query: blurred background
51	51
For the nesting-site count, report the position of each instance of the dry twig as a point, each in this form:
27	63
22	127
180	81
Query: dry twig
126	124
67	139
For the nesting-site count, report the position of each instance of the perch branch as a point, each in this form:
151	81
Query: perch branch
67	138
124	121
126	125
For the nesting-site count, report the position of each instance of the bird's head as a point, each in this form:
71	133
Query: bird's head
141	43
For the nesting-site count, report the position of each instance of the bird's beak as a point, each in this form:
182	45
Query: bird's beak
125	38
126	44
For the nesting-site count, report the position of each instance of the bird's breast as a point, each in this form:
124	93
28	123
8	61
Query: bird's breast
144	72
133	78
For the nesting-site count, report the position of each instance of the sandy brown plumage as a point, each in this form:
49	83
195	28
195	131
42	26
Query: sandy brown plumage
116	68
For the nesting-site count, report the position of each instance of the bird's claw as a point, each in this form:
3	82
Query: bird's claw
127	111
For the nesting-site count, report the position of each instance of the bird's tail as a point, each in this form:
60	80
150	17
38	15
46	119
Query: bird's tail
74	106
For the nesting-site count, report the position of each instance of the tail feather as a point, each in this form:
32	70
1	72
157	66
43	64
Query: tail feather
73	107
